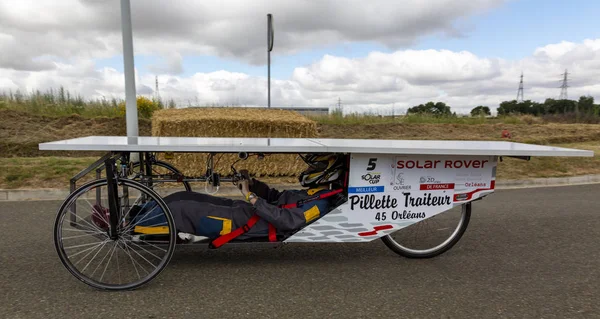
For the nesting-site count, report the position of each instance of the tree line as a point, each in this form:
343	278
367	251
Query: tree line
584	106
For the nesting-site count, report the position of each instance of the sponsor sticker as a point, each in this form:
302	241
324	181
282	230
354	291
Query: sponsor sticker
426	199
476	184
398	184
429	187
433	164
371	202
428	180
366	189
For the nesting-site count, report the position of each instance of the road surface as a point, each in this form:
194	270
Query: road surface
531	253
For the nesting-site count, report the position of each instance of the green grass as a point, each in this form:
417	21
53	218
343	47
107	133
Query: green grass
60	103
424	119
57	103
354	119
553	166
40	172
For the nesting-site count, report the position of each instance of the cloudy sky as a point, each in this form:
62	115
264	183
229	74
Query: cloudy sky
378	55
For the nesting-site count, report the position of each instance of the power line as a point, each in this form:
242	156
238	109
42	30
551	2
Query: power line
520	97
564	86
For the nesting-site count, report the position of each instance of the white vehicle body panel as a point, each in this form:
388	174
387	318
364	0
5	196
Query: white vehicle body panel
389	192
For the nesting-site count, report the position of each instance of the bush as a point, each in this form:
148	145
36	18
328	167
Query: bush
431	108
510	120
530	119
481	111
570	118
145	107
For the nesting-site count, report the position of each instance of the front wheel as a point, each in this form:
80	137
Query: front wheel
432	236
143	246
160	170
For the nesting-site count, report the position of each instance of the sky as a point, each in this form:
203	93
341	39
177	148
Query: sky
378	56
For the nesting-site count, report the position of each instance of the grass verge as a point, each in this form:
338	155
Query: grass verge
40	172
361	119
540	167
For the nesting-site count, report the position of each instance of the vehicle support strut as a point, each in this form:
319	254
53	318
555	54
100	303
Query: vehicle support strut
113	199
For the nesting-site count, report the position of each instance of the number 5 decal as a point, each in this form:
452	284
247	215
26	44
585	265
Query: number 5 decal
372	164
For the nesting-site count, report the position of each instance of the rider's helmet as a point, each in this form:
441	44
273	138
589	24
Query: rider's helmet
323	169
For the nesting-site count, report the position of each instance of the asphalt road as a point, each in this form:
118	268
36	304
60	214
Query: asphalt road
531	253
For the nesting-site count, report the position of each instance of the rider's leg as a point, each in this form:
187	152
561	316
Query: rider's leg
201	198
188	214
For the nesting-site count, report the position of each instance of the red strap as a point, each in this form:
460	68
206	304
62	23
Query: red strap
224	239
337	191
322	196
272	233
347	172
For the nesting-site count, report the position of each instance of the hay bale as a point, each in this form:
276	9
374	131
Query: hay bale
234	122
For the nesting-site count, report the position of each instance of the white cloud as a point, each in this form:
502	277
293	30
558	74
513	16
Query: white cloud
378	81
58	44
69	29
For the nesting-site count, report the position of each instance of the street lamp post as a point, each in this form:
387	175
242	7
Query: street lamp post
270	38
131	115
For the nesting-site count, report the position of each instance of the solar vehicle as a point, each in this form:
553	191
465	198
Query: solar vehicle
414	195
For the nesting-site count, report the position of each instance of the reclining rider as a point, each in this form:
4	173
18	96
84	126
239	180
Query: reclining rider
273	212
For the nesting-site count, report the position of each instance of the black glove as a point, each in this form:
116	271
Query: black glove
246	176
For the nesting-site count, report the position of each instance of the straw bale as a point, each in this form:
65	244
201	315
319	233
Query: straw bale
234	122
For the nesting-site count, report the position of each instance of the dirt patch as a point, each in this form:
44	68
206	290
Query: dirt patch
21	132
534	133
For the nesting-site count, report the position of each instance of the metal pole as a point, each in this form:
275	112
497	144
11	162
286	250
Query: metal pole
131	116
269	48
269	78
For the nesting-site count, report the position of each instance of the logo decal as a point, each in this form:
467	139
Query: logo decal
399	182
372	178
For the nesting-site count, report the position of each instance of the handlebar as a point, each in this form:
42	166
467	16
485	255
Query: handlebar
211	177
243	175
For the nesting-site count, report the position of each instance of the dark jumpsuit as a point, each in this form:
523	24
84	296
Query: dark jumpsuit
212	216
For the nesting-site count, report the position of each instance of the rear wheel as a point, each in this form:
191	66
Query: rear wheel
145	238
432	236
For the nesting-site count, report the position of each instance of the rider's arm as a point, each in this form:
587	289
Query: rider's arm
283	219
263	190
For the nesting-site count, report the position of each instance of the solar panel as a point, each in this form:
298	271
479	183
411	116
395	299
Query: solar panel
306	145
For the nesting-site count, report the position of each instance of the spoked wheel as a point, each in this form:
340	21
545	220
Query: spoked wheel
143	246
159	169
432	236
